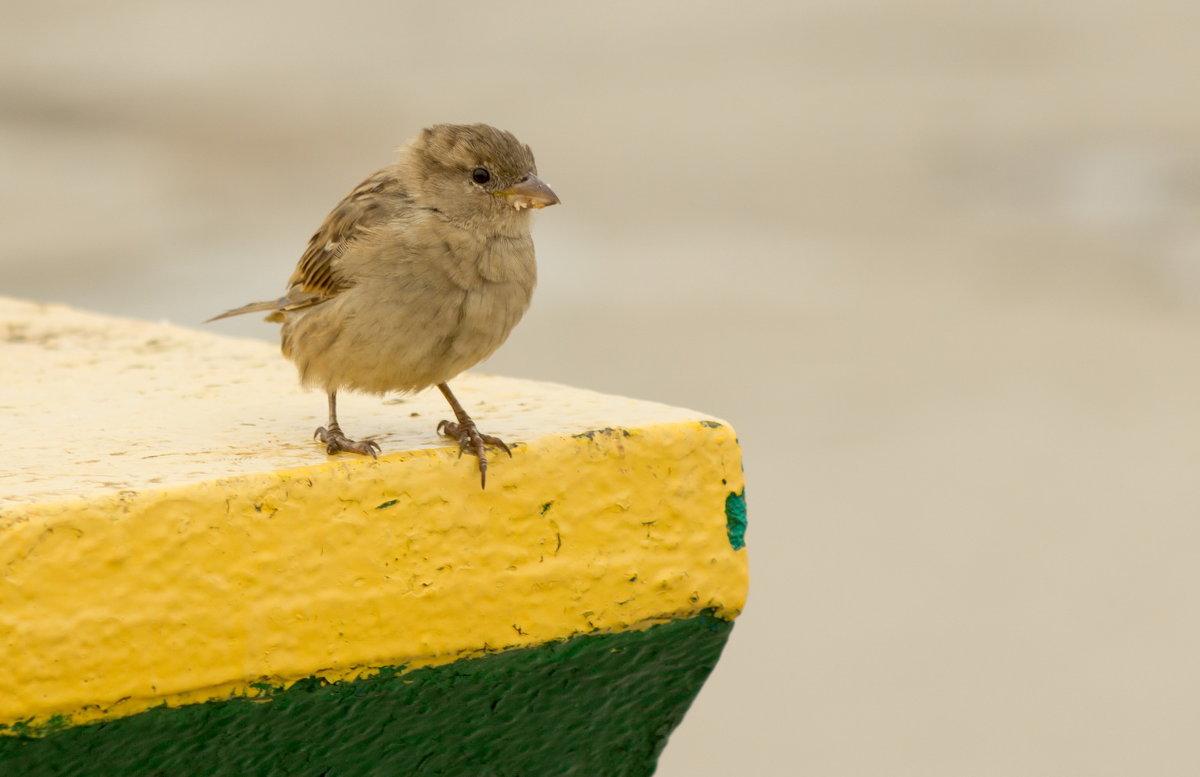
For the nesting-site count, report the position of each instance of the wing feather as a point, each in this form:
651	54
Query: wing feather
370	203
317	276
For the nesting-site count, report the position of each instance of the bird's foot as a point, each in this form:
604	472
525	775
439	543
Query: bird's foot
470	438
335	441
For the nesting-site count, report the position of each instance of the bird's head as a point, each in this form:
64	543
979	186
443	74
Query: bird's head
476	174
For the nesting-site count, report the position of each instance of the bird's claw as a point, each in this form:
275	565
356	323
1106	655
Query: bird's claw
470	438
335	442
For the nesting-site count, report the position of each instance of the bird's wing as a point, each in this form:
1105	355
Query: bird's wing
317	276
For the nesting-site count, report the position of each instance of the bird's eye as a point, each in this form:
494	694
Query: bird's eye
480	175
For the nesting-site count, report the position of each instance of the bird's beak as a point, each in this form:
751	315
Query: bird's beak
530	193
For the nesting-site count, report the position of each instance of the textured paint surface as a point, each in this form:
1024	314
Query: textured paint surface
111	605
598	705
184	406
168	587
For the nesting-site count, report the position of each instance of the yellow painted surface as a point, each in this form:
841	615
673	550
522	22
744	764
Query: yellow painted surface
184	555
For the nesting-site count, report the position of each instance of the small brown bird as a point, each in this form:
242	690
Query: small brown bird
419	273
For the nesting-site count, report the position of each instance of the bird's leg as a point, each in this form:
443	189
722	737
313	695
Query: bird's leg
336	441
466	433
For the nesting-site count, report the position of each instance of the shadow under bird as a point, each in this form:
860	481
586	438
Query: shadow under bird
419	273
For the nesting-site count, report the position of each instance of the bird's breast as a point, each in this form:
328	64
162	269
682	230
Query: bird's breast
416	321
494	301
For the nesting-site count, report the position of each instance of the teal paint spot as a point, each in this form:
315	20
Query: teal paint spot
545	508
735	519
388	503
598	704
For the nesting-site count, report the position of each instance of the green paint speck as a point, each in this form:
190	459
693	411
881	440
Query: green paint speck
388	503
711	424
608	430
545	508
735	519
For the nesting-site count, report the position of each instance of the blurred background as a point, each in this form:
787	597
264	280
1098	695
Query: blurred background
938	263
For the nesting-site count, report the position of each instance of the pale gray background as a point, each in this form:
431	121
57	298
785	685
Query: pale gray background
938	262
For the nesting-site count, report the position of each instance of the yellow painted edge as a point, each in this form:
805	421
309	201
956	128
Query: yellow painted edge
172	596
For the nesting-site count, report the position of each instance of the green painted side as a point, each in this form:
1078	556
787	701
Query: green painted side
594	706
735	519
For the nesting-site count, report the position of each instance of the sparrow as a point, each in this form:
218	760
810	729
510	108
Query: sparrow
419	273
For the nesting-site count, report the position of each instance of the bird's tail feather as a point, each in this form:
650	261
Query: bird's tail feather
253	307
